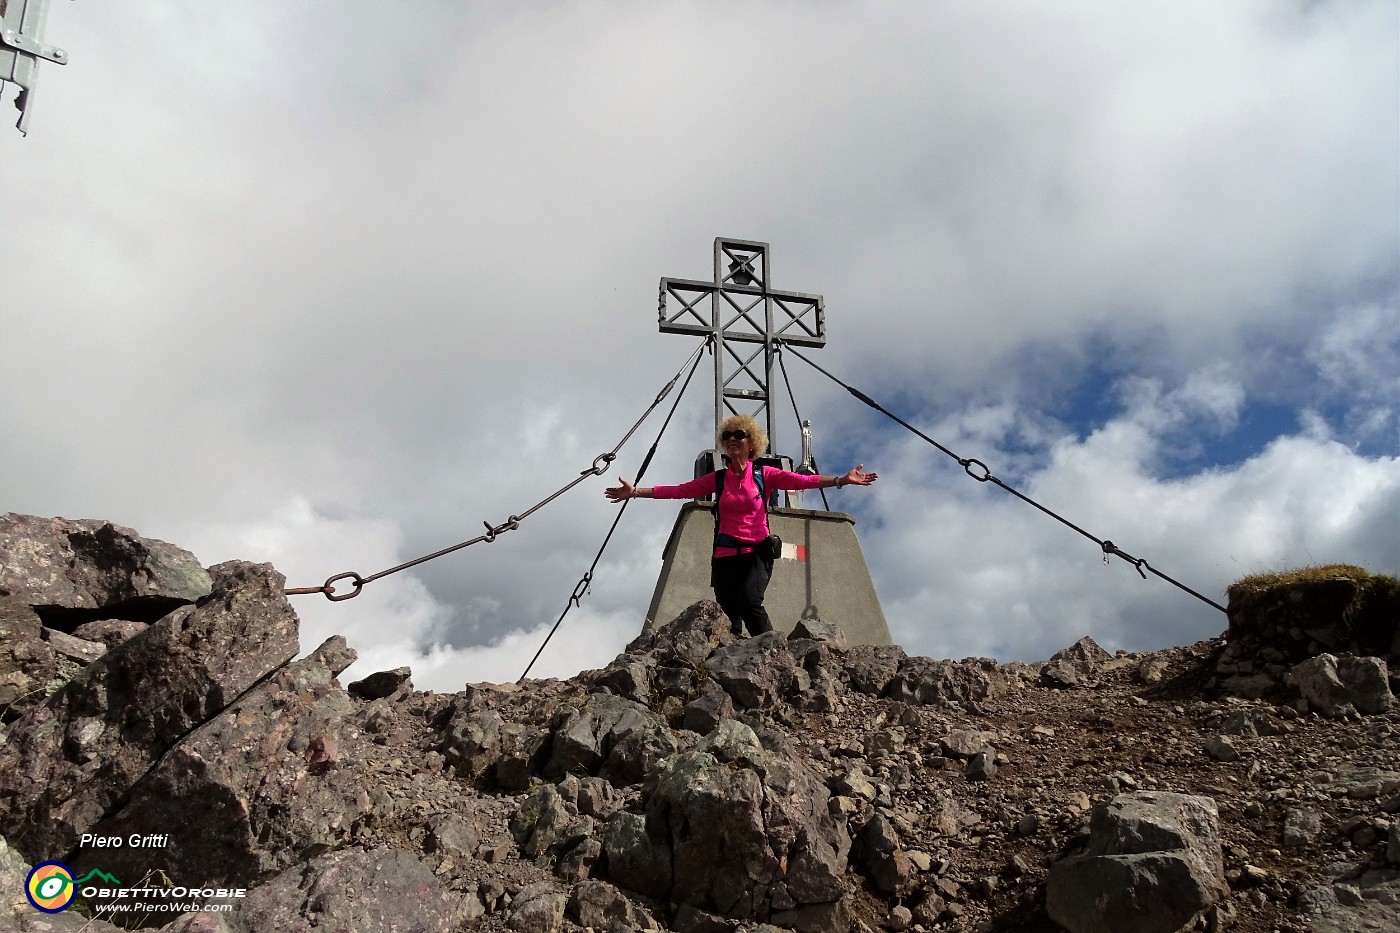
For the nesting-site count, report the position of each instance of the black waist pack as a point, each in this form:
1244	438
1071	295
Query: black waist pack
772	547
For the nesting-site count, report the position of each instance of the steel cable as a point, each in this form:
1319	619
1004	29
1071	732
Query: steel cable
581	588
826	506
983	475
600	465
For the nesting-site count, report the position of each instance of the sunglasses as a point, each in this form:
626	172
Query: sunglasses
736	435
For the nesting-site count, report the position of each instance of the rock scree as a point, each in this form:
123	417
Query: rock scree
160	734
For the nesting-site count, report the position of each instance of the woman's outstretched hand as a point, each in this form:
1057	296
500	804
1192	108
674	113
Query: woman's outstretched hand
855	477
620	493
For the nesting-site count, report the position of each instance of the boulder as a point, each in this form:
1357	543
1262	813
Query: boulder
756	671
383	684
78	754
627	677
1335	685
818	630
926	681
74	571
870	668
546	825
471	737
29	668
610	735
538	908
248	793
964	743
712	707
692	635
380	891
597	904
110	632
75	649
733	829
1070	666
1153	864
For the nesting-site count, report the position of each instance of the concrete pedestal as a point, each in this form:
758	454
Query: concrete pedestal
822	573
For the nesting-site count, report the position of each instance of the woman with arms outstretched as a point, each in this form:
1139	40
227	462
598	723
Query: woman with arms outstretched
739	570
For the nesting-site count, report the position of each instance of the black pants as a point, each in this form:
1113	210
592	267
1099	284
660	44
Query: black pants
739	584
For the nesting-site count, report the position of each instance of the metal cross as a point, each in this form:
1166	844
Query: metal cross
743	311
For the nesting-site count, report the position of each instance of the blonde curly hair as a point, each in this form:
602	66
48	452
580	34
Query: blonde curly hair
758	438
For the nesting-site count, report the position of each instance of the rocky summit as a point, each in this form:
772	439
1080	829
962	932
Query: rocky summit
171	761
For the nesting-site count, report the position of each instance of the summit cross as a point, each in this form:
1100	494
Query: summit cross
743	311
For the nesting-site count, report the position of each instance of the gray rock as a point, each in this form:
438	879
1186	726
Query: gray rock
1364	901
262	781
1301	826
1222	748
817	690
1072	665
611	735
878	836
870	668
818	630
1368	682
110	632
1084	654
628	677
538	908
964	743
78	754
982	766
1151	670
70	646
383	684
580	861
639	854
854	783
712	707
471	741
1153	864
598	904
545	825
1335	685
598	798
1251	723
756	671
29	667
451	836
925	681
380	891
692	635
70	568
735	830
1059	674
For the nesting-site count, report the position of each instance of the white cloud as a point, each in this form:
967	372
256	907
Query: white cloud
283	285
974	570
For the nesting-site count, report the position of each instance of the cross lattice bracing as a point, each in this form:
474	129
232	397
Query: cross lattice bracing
747	318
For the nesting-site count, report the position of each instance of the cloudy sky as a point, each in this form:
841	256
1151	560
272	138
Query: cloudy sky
300	283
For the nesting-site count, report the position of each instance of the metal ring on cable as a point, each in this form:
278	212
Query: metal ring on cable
967	468
600	463
329	587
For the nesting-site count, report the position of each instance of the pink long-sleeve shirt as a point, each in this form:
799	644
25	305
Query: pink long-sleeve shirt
741	512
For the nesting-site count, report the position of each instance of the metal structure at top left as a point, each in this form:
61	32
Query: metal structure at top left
21	26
